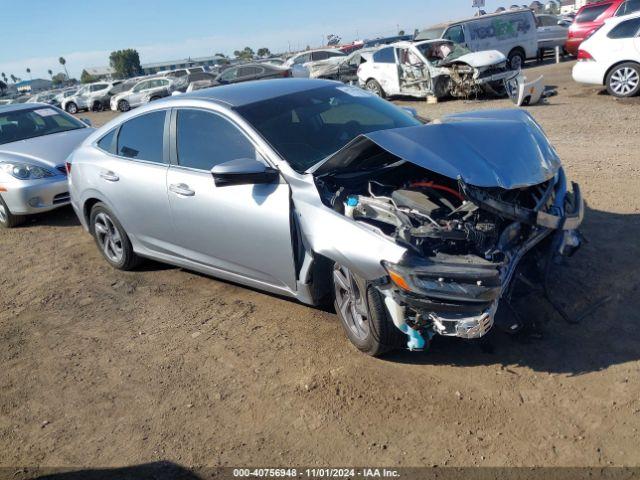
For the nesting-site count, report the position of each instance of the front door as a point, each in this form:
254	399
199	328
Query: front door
385	67
241	229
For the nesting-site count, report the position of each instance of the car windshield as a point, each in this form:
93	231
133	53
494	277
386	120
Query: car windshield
306	127
29	123
442	53
430	34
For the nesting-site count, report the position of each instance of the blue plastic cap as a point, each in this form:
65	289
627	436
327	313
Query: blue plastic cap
352	201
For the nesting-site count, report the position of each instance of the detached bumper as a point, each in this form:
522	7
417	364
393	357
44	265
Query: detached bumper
35	196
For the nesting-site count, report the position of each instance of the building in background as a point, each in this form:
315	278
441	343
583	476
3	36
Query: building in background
156	67
572	6
33	86
98	73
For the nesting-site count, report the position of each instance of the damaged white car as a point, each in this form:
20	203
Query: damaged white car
437	68
322	191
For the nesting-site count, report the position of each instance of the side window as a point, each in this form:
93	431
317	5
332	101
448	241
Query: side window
319	56
302	59
206	139
628	29
140	86
384	55
455	34
335	54
229	75
106	143
142	137
630	6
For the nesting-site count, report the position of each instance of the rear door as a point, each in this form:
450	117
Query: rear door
133	177
385	68
240	229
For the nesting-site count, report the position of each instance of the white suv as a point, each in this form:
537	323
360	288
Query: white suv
611	57
143	92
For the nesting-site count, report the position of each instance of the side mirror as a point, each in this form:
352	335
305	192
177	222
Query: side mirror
243	171
87	121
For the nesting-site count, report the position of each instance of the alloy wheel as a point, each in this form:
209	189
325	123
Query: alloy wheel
374	88
72	108
108	237
3	214
351	302
624	81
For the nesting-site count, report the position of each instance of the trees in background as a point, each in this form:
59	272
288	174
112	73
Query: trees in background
59	78
126	63
87	78
3	87
246	54
264	52
333	40
63	62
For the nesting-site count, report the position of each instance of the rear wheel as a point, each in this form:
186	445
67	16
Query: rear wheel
363	314
624	80
71	107
8	219
374	87
112	240
124	106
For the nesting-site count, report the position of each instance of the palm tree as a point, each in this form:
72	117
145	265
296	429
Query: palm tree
50	73
4	77
13	78
63	62
29	72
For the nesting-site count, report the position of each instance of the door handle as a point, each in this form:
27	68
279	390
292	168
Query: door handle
109	176
181	189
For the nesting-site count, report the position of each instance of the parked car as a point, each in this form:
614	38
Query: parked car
513	33
35	140
611	57
88	97
588	20
377	42
436	68
144	91
252	71
66	93
43	97
299	62
553	31
413	230
343	69
181	84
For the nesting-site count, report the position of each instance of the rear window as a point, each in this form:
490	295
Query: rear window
628	29
590	14
630	6
384	55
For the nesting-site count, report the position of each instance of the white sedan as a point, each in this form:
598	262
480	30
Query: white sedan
611	57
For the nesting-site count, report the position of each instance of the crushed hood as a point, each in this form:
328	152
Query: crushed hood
501	148
487	58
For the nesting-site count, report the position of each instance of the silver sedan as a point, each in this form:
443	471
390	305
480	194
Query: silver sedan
35	140
321	191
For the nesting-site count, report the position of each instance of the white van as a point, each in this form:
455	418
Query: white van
513	33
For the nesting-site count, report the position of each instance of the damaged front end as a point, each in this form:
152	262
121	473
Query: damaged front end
470	213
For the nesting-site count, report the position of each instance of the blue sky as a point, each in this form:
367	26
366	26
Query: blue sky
84	32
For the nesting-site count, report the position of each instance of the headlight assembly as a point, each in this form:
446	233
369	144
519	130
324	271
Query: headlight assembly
24	171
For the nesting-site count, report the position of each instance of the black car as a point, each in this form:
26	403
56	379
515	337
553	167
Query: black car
252	71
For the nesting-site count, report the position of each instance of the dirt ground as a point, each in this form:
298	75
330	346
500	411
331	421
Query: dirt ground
105	368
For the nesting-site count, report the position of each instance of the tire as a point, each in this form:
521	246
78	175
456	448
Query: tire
111	238
623	80
71	108
516	59
8	219
153	99
124	106
361	310
374	87
97	107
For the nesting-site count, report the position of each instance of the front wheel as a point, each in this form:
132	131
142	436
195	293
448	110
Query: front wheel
112	240
363	315
374	87
624	80
71	107
124	106
8	219
516	60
